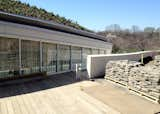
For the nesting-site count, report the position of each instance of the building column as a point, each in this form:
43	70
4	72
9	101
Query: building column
56	57
41	59
99	51
81	55
20	57
70	51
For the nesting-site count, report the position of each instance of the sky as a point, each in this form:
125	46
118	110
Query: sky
97	14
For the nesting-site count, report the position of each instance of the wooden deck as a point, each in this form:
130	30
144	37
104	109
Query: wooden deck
122	99
59	94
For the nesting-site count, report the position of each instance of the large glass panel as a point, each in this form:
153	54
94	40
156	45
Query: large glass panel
9	57
86	51
76	56
94	51
101	51
49	53
63	58
108	51
30	56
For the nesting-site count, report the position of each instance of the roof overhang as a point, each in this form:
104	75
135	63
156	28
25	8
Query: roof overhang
47	25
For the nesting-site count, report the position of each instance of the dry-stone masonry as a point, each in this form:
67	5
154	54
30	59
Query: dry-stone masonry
141	78
119	70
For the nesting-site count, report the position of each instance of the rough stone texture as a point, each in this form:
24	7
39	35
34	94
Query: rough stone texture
144	79
157	57
119	70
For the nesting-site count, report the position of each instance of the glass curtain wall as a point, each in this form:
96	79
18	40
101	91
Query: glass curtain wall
63	57
55	58
76	56
30	54
101	51
49	55
9	57
86	51
95	52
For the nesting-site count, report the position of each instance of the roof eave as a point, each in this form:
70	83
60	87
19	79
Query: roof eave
49	24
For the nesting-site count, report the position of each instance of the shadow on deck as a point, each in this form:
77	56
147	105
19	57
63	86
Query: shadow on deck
34	85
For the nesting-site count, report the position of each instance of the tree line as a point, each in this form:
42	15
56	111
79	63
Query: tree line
124	40
132	39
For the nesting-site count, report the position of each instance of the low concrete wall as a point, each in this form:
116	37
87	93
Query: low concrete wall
96	63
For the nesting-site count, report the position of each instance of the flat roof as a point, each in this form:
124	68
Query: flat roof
47	25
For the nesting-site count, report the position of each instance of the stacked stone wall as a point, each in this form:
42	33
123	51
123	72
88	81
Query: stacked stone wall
145	79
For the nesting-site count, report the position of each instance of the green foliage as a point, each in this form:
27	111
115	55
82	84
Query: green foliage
115	49
19	8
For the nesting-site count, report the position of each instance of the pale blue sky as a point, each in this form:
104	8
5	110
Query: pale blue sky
97	14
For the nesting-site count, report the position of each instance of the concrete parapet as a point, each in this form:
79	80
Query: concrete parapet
96	63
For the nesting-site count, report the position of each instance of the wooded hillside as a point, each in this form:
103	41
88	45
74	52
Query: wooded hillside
17	7
133	39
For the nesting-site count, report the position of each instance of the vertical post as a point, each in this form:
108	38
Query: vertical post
91	50
56	57
105	51
41	56
76	71
98	51
20	57
81	55
142	58
70	66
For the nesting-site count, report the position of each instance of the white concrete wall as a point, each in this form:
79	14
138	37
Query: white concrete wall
96	63
12	30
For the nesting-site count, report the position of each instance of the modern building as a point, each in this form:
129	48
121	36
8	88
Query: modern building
29	45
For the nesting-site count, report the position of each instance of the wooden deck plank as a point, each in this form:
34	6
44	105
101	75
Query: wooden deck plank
10	108
15	99
0	108
35	109
22	105
52	98
4	107
28	103
33	106
77	105
45	98
16	106
40	99
53	95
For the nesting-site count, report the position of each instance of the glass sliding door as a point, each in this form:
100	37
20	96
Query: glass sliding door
86	51
9	57
76	56
63	58
49	55
30	52
94	51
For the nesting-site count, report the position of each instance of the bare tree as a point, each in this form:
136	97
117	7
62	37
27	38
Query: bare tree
158	32
133	39
135	29
114	28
